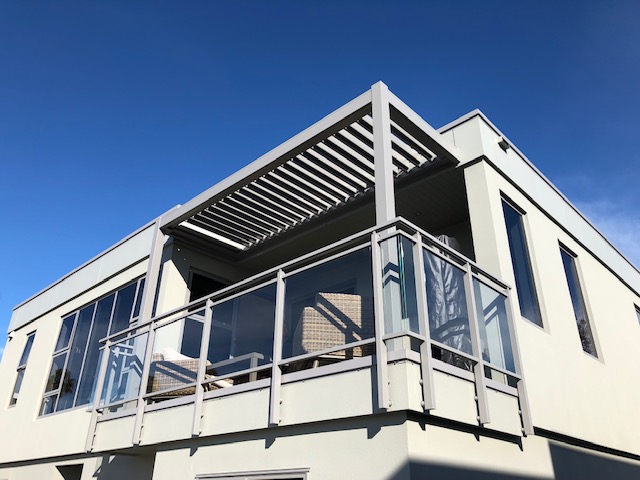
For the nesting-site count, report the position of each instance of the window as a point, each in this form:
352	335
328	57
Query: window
527	296
76	356
577	300
637	313
22	366
288	474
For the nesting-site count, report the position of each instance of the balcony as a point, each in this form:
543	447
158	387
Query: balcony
388	319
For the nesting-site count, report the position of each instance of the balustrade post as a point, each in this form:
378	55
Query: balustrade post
97	397
523	399
382	375
276	373
144	380
426	367
196	427
476	346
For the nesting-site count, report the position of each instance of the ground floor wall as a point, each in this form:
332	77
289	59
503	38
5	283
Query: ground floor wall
394	446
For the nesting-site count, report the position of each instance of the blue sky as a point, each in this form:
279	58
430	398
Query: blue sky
113	112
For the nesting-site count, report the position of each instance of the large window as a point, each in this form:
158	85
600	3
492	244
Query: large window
577	300
22	366
72	377
527	296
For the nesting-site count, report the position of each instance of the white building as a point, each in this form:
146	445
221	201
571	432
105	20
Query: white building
372	299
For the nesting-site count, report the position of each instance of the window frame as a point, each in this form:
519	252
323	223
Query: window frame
579	288
54	394
526	253
22	367
279	474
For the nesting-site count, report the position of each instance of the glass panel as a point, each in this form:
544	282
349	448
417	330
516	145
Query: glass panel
16	389
579	310
76	357
122	312
447	304
173	366
330	305
136	309
493	326
192	335
65	332
124	372
99	331
242	333
48	404
521	265
638	313
27	350
55	375
399	285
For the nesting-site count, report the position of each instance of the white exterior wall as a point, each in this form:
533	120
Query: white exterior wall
570	392
129	251
61	433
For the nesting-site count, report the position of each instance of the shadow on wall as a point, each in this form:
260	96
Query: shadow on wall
70	472
569	463
117	467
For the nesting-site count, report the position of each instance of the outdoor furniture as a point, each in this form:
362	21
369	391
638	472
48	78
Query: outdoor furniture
167	374
335	319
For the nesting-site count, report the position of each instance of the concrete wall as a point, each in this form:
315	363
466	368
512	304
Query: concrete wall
60	433
129	251
570	392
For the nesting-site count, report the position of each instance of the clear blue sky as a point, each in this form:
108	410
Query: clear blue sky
113	112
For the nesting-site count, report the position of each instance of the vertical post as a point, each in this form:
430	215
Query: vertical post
93	422
204	348
428	393
476	345
523	399
153	273
146	312
382	154
276	373
140	404
382	376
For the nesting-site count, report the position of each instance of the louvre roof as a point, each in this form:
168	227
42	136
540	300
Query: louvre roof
324	167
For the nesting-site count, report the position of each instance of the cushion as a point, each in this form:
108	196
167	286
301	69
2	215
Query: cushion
171	355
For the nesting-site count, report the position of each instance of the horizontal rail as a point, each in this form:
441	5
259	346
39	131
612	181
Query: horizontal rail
326	351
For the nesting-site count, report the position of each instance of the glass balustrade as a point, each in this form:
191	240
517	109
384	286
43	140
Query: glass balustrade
326	316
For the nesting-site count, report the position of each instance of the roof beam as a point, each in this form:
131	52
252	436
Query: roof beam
333	122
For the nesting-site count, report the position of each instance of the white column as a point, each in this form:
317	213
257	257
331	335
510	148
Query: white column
383	165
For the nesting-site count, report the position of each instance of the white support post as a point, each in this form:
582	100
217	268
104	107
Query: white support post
382	154
153	273
146	311
523	399
476	346
428	393
204	348
276	373
382	376
97	397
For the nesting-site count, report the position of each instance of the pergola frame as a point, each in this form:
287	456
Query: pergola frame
362	146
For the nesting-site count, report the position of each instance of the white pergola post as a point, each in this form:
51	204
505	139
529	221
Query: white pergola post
382	154
385	201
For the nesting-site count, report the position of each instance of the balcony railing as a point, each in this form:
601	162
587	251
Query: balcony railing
385	293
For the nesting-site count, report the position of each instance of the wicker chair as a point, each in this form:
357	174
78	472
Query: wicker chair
336	319
165	374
